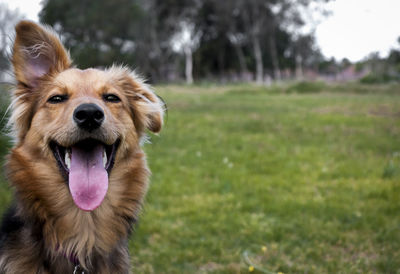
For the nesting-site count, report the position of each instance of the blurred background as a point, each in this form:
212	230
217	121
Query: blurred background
260	41
281	147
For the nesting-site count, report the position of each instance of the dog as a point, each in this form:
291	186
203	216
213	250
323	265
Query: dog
77	169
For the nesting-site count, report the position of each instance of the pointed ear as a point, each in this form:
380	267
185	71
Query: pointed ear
37	51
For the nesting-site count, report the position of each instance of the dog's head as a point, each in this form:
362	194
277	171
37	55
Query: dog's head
86	119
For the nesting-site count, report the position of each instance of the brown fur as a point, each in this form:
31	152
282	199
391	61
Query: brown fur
53	226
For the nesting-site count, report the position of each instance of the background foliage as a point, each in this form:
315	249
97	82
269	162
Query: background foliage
234	36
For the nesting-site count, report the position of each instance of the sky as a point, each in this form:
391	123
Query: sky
359	27
355	28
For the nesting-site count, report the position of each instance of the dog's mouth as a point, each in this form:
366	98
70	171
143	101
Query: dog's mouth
86	166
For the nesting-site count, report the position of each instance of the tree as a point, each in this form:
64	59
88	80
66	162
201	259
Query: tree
180	16
256	17
186	38
134	32
393	60
263	28
97	32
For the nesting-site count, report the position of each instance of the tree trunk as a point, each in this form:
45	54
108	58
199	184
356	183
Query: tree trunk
188	64
242	60
299	67
274	57
221	64
258	59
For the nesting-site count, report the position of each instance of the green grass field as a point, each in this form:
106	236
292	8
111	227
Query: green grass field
291	182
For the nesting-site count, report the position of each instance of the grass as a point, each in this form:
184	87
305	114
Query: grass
284	182
5	194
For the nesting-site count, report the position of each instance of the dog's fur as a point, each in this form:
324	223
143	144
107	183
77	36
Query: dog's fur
45	232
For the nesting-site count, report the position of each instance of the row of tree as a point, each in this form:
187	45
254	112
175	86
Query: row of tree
170	40
381	69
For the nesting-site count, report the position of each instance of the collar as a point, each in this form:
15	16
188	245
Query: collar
78	269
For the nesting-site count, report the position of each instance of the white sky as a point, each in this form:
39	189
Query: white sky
29	8
355	29
359	27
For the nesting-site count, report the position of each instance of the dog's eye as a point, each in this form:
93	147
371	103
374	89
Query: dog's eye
111	98
56	99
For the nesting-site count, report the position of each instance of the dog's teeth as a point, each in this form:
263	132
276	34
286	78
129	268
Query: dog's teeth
104	159
68	159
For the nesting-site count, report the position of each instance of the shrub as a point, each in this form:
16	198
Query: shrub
306	87
378	79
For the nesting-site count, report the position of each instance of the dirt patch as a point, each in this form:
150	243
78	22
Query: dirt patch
336	110
216	267
210	266
385	111
377	110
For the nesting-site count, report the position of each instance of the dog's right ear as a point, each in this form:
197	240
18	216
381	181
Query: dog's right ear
37	52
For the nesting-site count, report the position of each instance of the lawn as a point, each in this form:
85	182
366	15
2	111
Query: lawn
247	177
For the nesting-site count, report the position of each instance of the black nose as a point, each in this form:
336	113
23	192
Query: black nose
88	116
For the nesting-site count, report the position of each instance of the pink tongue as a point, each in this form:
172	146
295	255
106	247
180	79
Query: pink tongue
88	179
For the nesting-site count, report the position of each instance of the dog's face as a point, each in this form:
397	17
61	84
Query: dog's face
87	120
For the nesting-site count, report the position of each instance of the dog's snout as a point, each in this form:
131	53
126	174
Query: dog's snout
88	116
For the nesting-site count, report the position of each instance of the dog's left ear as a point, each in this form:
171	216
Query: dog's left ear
146	107
37	51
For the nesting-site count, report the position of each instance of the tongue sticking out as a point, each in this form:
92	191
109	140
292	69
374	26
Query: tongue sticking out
88	179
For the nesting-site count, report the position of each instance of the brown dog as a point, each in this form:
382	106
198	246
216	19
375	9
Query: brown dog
77	168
